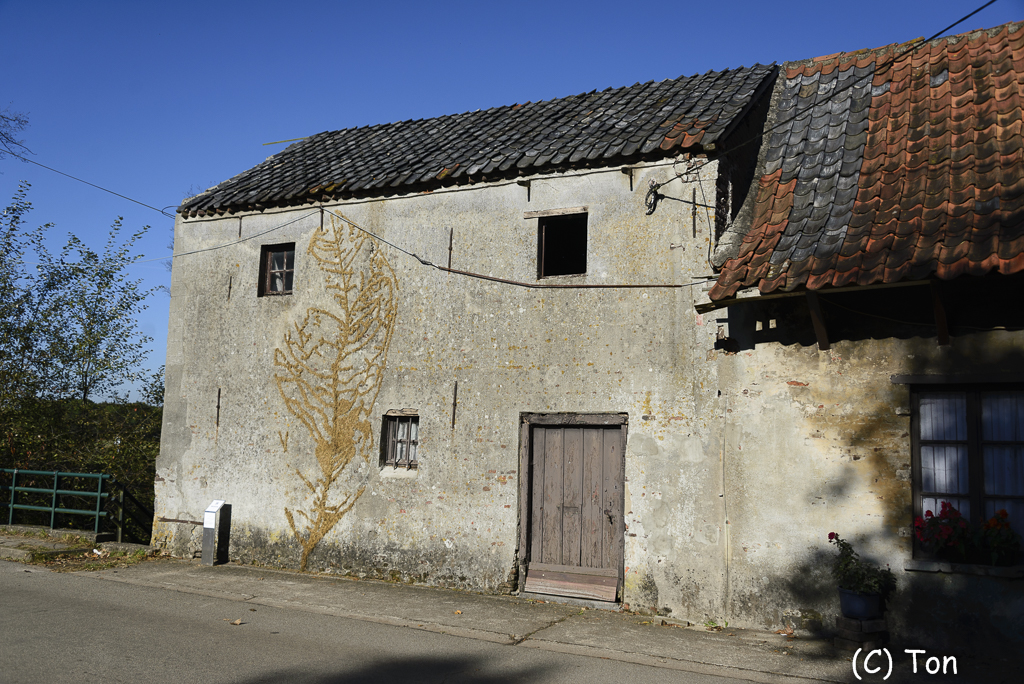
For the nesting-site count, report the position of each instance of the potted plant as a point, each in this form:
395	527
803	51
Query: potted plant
946	535
863	587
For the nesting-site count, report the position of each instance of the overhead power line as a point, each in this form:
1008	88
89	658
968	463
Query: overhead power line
98	187
653	195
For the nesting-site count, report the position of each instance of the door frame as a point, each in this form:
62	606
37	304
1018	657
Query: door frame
526	422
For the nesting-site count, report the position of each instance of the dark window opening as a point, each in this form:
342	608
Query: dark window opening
399	441
562	245
277	269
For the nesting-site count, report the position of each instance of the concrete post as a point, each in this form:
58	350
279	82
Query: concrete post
216	529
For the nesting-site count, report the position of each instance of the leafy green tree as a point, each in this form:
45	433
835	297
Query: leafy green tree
19	314
69	337
92	339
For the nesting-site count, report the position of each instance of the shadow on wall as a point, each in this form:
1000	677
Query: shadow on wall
970	305
451	669
960	612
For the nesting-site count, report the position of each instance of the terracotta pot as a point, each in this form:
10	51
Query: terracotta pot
858	606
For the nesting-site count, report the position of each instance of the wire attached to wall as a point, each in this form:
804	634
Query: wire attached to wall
229	244
481	276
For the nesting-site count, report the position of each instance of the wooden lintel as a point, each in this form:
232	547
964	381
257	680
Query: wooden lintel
958	379
575	418
554	212
941	325
817	320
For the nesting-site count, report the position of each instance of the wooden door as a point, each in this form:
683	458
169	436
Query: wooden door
575	511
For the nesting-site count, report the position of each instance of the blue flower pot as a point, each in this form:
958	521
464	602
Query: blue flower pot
858	606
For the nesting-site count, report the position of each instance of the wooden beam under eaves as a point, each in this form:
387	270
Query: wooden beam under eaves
941	325
817	320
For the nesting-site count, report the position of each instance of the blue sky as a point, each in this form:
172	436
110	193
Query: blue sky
159	101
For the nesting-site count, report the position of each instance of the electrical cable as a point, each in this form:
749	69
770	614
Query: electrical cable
227	244
885	65
651	199
98	187
481	276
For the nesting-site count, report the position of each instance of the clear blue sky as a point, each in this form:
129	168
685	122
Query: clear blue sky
157	101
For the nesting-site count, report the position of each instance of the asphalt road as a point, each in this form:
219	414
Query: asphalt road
58	627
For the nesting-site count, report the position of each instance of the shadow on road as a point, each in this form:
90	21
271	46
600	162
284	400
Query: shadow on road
426	670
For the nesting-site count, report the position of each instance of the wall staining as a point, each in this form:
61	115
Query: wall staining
330	368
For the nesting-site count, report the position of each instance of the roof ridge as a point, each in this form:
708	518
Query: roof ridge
900	48
520	105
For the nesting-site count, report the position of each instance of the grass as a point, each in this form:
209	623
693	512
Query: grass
77	553
77	560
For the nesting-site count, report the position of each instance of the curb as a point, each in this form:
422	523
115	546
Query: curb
10	553
668	663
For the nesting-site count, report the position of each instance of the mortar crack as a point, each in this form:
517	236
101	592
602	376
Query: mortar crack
516	640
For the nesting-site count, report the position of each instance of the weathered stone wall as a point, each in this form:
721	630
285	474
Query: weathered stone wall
812	442
455	521
738	463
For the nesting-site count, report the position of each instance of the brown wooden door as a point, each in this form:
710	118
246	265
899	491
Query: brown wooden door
576	500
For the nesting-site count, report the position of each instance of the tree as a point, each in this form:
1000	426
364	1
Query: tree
92	340
69	336
11	123
19	314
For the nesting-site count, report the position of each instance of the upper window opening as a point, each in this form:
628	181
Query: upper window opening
562	245
277	269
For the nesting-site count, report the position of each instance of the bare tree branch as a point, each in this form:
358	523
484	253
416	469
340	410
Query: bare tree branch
11	124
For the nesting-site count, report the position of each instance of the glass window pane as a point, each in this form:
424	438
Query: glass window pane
944	469
1004	470
944	416
1015	509
1002	416
277	261
412	453
400	454
289	259
934	505
277	282
413	429
392	430
403	428
288	281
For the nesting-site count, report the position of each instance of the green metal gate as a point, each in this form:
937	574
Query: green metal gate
113	502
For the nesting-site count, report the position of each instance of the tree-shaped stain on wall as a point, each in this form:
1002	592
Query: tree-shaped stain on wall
331	365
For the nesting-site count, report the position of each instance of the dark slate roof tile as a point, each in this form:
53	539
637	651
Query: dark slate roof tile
597	127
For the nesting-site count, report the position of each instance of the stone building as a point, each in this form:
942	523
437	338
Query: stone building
463	351
873	362
648	345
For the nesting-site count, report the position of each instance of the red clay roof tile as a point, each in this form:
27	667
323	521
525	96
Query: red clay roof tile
940	183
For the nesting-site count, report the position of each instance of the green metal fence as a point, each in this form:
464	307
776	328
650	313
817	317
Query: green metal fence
112	502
